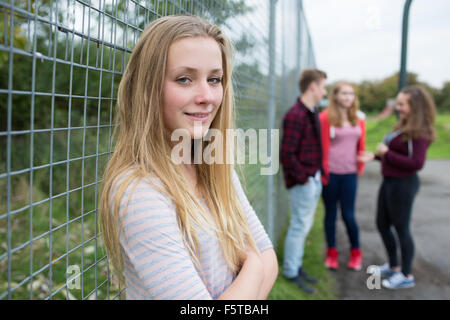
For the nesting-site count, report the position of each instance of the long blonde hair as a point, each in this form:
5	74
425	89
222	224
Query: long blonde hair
334	116
143	144
420	122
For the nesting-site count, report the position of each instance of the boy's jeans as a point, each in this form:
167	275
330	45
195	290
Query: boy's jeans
304	199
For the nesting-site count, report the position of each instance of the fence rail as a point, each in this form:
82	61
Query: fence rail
60	66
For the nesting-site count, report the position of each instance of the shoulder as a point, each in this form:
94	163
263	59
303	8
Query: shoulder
295	116
361	120
290	113
422	141
238	188
361	115
323	116
236	181
295	110
132	178
133	191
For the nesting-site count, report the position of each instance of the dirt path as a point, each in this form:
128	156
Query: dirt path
430	229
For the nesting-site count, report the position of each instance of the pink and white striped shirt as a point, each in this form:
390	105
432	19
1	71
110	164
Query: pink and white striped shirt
156	263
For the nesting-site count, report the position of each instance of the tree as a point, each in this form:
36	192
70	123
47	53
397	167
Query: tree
374	94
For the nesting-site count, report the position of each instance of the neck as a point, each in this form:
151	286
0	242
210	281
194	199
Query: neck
343	112
308	101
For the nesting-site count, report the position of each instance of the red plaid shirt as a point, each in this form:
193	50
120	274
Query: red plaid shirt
301	154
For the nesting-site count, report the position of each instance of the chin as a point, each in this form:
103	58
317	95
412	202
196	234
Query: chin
198	135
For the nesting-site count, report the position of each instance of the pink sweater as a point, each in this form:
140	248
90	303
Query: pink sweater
342	155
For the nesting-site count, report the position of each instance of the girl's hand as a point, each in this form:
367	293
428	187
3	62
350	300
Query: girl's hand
365	156
382	149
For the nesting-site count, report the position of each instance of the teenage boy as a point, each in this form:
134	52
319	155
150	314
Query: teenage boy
301	159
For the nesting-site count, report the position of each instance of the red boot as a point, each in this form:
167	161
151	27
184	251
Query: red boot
355	261
331	259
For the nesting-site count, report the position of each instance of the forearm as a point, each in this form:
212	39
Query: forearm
247	284
270	263
404	162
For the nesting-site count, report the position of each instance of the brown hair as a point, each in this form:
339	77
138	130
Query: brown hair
308	76
420	122
334	116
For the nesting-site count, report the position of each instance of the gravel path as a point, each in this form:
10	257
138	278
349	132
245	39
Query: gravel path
430	229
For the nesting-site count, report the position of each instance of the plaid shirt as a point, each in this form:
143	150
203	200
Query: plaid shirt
301	154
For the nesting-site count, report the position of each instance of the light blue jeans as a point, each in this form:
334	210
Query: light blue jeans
304	199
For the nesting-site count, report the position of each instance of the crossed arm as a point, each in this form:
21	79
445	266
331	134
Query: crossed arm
256	278
151	235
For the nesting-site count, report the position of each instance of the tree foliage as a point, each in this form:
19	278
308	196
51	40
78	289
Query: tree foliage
373	95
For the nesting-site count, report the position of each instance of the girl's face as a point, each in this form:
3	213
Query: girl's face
402	106
345	96
192	89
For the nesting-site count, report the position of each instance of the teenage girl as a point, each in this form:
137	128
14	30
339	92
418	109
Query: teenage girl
186	230
402	154
343	138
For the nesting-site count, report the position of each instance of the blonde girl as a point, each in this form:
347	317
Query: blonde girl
180	231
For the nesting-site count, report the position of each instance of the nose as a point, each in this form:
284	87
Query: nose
204	94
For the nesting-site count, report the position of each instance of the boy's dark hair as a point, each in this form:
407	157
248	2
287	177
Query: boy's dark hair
308	76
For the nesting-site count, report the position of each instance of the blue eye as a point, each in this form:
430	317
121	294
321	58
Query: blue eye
215	80
183	80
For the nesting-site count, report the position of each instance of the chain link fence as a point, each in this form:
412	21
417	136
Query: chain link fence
60	65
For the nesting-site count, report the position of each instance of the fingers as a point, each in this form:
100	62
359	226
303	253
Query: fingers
365	156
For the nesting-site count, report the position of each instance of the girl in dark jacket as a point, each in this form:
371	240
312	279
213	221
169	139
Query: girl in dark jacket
402	154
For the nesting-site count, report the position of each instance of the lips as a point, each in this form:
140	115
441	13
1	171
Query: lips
198	116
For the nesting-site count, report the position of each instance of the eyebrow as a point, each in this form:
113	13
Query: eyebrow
189	69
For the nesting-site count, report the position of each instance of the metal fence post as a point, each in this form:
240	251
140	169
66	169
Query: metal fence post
271	113
403	76
299	37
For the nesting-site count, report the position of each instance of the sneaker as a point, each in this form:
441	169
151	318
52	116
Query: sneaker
331	259
355	261
398	281
304	275
383	270
302	285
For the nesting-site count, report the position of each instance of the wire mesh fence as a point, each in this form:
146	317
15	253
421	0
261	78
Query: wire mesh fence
60	65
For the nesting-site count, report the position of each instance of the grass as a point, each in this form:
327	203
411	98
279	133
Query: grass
439	149
326	289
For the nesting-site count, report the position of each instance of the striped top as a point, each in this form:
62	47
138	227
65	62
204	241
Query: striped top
156	263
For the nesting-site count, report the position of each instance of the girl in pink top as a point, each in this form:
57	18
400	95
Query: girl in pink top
343	137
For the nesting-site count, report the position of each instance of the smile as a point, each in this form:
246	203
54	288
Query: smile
198	116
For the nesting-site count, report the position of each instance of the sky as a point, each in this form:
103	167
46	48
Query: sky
358	40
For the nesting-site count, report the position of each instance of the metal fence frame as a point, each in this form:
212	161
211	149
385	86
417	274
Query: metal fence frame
281	56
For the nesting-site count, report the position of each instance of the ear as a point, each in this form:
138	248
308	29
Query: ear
313	86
